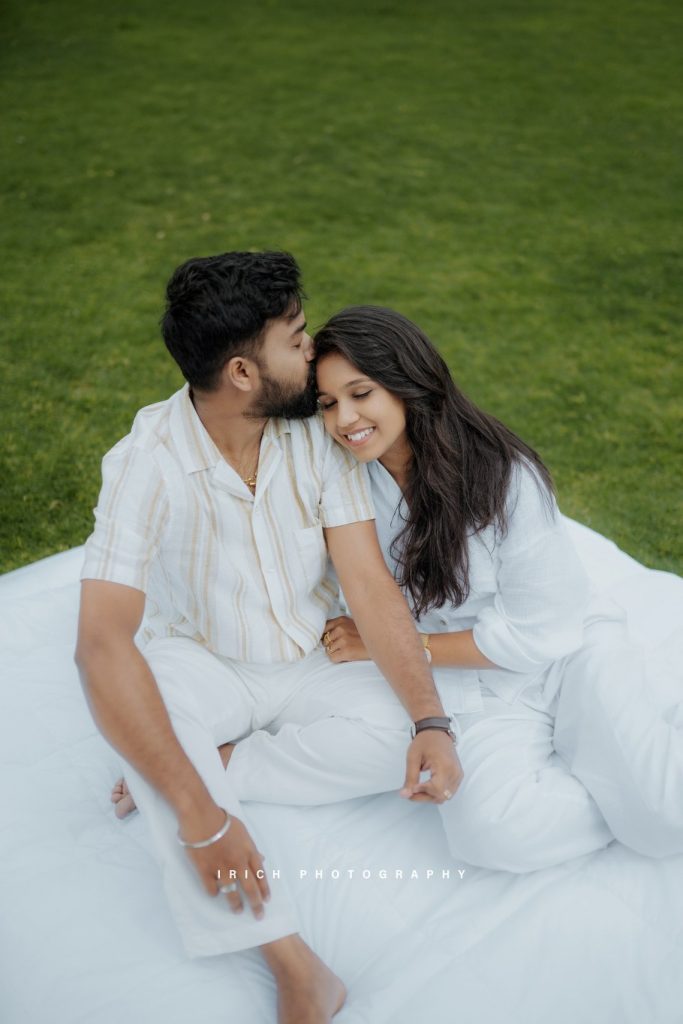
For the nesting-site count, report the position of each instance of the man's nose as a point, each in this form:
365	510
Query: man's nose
309	349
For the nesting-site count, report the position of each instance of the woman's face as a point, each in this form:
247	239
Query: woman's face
359	413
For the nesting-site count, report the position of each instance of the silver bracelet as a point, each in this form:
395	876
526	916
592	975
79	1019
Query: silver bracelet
212	839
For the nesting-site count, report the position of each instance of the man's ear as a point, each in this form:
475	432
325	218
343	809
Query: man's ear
241	373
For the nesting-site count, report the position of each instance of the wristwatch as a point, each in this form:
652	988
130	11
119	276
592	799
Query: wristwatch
443	724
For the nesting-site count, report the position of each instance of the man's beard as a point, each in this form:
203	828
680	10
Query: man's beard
288	401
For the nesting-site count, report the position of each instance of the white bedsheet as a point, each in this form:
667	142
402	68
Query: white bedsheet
85	935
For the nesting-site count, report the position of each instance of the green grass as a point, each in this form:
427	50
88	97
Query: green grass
509	174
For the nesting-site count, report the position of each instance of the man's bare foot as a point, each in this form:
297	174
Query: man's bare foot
308	991
122	798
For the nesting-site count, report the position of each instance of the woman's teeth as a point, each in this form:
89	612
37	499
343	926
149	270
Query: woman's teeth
360	435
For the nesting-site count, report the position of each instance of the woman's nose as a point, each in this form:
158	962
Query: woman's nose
347	415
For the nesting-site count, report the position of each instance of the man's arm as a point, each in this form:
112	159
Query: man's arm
128	709
387	628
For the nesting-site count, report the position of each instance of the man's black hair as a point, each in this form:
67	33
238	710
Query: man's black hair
217	307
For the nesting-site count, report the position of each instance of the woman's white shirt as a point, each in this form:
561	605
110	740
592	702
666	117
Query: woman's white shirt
528	594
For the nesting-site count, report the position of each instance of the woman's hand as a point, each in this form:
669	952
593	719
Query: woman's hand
342	641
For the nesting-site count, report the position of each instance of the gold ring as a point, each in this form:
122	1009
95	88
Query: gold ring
327	639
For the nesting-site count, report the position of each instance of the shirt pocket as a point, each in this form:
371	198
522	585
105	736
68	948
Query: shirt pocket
311	552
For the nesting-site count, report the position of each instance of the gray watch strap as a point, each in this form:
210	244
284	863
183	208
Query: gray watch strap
441	723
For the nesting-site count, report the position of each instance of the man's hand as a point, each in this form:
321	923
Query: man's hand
234	858
432	751
342	641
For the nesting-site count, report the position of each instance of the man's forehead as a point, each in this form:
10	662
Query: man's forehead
287	324
294	311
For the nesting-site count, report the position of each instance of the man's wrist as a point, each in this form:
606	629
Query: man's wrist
193	802
433	723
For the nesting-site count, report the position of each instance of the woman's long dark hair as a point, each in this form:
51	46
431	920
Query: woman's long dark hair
462	457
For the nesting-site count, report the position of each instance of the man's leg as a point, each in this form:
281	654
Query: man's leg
203	699
342	733
620	742
206	701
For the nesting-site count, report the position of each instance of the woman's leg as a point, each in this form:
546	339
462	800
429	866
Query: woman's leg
626	747
518	808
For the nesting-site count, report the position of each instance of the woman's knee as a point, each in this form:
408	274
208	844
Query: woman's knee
490	839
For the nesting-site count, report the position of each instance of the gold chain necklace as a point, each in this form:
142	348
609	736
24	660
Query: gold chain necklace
250	481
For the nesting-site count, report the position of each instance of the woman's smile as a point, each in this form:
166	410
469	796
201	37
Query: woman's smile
359	437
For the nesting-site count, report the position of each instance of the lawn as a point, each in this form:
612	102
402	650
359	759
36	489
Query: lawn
507	173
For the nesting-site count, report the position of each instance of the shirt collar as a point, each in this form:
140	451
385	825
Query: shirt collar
196	449
383	479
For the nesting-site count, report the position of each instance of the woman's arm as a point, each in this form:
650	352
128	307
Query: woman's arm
458	650
537	612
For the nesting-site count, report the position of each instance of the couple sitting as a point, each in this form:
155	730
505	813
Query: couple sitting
215	521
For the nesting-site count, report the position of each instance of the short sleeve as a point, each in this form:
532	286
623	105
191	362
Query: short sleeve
129	518
345	496
542	590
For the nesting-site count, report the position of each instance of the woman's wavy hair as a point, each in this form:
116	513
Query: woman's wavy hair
462	457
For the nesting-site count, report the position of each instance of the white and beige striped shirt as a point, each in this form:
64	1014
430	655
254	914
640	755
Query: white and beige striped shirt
246	575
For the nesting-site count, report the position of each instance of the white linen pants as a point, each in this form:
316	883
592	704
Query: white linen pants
517	809
212	700
537	790
341	733
622	738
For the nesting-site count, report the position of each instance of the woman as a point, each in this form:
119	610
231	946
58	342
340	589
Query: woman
525	659
469	525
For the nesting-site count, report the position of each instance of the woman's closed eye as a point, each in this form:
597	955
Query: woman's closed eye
329	403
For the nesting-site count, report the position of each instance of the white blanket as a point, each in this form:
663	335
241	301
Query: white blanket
86	938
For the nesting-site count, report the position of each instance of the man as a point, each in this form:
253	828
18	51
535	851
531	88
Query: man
212	521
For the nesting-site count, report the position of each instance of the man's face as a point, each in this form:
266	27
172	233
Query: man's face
286	369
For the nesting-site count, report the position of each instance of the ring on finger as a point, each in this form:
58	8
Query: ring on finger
327	639
227	889
447	794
